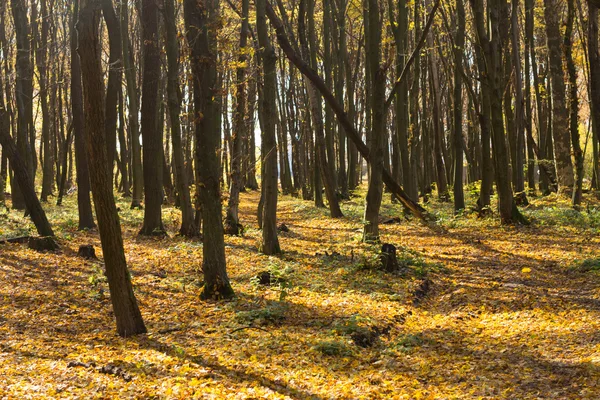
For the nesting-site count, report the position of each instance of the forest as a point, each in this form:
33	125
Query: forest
299	199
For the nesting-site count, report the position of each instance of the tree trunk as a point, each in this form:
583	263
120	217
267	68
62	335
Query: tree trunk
200	21
560	114
115	71
492	51
592	43
84	204
188	226
151	135
459	43
377	81
125	308
270	242
519	120
41	56
573	105
24	96
132	103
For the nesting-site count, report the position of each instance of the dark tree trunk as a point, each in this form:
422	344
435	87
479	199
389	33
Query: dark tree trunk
232	222
125	308
132	103
560	113
573	104
21	175
123	149
24	97
84	204
151	134
270	242
188	224
200	22
41	57
376	79
115	72
492	50
594	83
459	43
519	120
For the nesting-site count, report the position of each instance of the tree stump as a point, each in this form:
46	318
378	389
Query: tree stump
389	262
46	243
283	228
87	251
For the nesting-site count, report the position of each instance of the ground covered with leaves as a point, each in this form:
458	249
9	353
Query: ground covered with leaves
480	311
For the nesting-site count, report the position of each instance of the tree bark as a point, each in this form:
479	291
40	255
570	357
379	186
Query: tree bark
201	21
84	203
270	242
24	97
232	223
127	314
132	103
592	43
573	104
151	135
115	71
560	113
459	43
188	226
377	82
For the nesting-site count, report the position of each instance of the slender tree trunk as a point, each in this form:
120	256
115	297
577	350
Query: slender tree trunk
560	114
492	50
151	134
573	104
188	226
132	103
251	182
200	21
459	44
519	120
377	81
232	222
270	242
594	57
24	96
41	55
84	203
115	71
125	308
123	149
21	176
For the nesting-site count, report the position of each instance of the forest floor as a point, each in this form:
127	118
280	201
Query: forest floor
482	311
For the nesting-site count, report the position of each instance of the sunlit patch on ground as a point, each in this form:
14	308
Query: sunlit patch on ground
507	312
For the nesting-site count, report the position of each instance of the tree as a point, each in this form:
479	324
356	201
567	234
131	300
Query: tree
132	103
24	95
459	44
573	104
151	134
270	242
84	203
127	314
188	224
377	81
200	22
492	53
560	113
232	223
592	42
21	173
